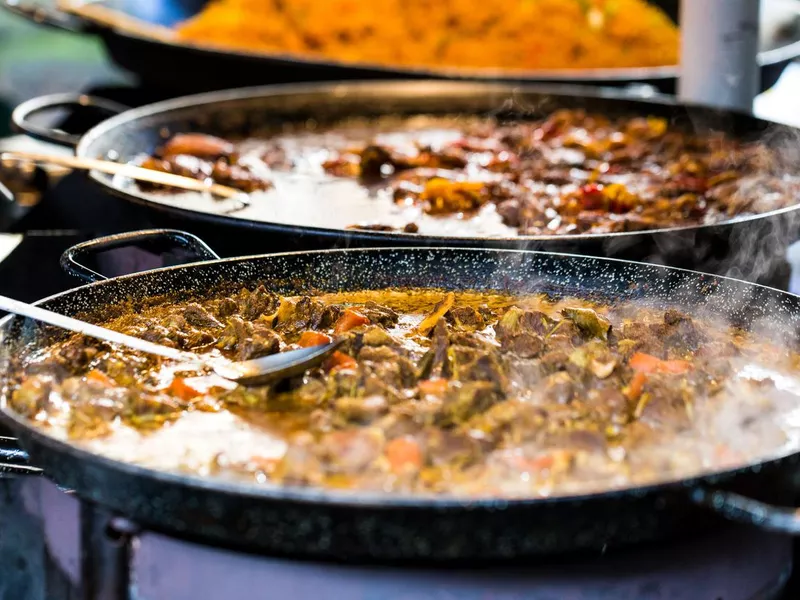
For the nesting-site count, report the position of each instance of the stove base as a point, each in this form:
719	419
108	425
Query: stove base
55	547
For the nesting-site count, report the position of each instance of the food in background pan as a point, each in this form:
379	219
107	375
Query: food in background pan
572	172
433	392
515	35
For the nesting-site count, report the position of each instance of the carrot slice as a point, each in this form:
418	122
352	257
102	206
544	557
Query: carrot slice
441	308
403	454
675	366
350	319
340	360
636	386
647	363
433	387
99	377
313	338
644	363
180	389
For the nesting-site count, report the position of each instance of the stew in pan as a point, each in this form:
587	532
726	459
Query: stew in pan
571	172
433	392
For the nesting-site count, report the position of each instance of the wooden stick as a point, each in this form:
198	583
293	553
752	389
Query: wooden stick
126	170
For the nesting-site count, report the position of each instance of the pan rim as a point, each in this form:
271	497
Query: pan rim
416	88
373	500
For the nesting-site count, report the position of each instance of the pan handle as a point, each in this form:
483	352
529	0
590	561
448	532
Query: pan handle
71	259
14	461
741	509
21	117
42	14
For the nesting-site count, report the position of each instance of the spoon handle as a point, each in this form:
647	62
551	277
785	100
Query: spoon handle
100	333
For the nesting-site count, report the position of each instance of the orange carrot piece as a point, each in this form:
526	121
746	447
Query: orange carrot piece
99	377
433	387
675	366
647	363
180	389
636	386
340	360
538	463
313	338
644	363
350	319
403	454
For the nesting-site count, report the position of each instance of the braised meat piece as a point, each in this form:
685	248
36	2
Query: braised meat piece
248	340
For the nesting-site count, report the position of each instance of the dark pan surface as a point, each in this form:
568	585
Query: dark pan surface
308	522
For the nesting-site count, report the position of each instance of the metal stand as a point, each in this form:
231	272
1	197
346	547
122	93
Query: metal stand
719	49
105	554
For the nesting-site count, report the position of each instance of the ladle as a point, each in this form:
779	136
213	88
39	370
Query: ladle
249	372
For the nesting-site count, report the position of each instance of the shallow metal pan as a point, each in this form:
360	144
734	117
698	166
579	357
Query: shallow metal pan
748	248
330	525
167	63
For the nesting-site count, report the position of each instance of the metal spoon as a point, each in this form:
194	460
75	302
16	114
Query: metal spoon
249	372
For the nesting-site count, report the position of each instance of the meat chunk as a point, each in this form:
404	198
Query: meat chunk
198	316
559	388
253	304
248	340
75	354
517	321
379	315
197	144
227	307
442	197
436	362
466	401
361	409
31	395
525	345
351	450
681	332
466	317
307	314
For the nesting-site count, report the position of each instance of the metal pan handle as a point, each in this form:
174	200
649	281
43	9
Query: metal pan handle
42	14
71	259
740	509
21	117
14	461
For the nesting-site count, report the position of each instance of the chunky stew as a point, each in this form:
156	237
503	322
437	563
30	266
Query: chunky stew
433	392
570	173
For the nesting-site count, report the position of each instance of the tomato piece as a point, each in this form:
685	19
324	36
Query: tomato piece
313	338
350	319
433	387
98	376
688	183
403	454
340	360
180	389
592	197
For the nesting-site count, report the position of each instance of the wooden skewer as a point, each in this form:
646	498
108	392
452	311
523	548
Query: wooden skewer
126	170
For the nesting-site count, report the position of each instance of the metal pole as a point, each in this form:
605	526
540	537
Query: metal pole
719	49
